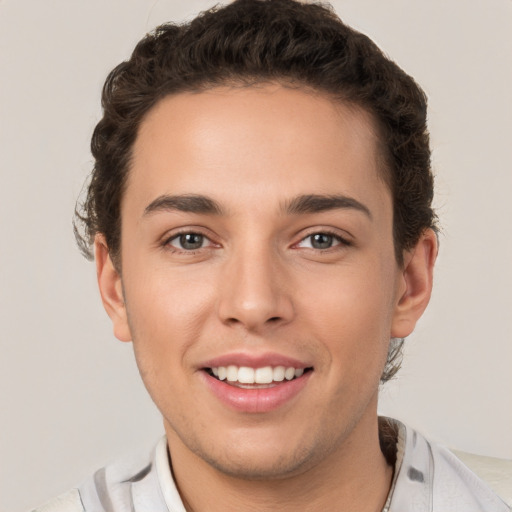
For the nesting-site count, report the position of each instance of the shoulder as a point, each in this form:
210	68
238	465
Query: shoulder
68	502
487	475
436	480
140	482
496	472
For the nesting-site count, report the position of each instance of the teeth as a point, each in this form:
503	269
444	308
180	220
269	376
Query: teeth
246	375
279	373
232	373
264	375
289	373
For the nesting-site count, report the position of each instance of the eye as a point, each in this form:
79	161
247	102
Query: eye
321	241
188	241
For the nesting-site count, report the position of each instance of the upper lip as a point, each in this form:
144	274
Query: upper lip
254	360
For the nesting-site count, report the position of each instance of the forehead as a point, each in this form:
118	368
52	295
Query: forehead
258	142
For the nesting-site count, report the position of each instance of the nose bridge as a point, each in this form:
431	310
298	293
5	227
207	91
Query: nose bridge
252	291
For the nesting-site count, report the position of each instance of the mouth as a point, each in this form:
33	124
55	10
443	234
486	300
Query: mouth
245	377
256	383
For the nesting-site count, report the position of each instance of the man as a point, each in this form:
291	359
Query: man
260	211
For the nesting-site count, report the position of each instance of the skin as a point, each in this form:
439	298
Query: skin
257	285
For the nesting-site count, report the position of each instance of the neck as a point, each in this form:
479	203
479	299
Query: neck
354	477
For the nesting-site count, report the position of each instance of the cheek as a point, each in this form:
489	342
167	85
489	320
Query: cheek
167	312
166	318
352	318
353	300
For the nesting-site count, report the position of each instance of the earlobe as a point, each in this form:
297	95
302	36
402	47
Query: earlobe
111	290
415	287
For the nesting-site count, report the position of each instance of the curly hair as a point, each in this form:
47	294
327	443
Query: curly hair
258	41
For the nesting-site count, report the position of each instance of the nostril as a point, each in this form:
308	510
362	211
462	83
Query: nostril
274	319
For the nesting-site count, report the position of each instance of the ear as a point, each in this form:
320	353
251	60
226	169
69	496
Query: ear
415	286
111	289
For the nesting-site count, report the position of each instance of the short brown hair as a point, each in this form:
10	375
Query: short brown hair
255	41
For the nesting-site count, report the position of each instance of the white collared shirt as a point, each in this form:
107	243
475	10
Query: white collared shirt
427	478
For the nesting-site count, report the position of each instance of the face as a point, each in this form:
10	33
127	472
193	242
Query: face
259	283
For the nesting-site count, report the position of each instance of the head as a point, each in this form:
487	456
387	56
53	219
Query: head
256	42
273	55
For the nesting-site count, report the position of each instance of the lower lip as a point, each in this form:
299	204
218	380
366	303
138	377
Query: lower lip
256	400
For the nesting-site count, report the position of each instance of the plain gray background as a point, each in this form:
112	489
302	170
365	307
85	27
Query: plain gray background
71	398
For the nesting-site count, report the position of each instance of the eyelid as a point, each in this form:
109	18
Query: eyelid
188	230
344	240
336	241
177	238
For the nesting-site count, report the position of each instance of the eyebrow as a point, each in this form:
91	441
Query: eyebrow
315	203
303	204
190	203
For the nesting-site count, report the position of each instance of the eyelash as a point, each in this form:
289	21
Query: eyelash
336	237
167	243
342	242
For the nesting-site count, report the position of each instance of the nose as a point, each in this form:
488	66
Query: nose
254	292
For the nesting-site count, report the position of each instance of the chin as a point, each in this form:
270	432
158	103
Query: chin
259	453
261	464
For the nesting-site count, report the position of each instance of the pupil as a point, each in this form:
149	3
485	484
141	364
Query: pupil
191	241
322	241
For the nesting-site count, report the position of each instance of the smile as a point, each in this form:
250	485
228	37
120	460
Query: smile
266	375
255	390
